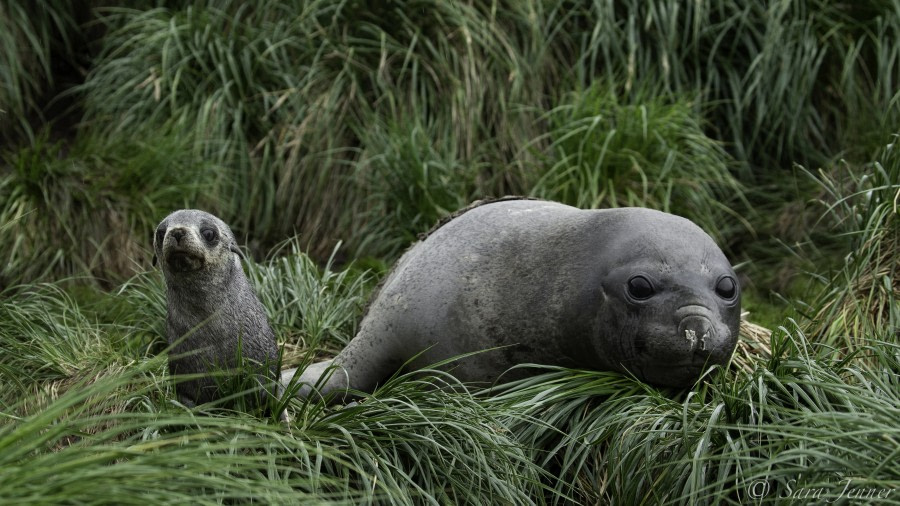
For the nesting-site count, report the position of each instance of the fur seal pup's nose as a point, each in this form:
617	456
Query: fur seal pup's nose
178	234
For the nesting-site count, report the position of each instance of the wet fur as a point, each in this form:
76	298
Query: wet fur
213	314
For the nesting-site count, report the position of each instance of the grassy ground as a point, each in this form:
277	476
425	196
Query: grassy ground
329	134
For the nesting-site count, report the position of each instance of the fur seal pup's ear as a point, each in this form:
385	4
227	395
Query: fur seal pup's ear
153	260
156	239
237	250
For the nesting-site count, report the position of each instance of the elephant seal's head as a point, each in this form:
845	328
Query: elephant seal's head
671	300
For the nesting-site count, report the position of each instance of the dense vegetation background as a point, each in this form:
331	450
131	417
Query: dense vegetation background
330	133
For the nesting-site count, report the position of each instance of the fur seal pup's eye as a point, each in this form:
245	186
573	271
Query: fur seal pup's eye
160	234
726	288
640	288
209	234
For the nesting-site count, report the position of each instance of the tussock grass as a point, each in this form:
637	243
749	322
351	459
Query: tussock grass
608	152
240	77
141	454
311	307
418	440
805	418
279	94
778	80
46	337
432	432
861	301
19	259
361	123
414	179
88	206
801	416
36	40
408	447
321	118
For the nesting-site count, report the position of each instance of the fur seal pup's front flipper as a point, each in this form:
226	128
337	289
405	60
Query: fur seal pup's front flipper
630	289
214	316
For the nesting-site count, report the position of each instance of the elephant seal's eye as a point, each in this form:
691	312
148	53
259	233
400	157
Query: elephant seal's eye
726	288
209	234
640	288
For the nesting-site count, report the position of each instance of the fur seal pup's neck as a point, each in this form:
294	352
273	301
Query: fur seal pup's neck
197	295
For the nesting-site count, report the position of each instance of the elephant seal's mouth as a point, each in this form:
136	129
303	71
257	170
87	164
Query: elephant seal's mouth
676	372
183	261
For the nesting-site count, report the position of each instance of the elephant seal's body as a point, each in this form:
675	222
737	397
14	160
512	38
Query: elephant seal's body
630	289
214	316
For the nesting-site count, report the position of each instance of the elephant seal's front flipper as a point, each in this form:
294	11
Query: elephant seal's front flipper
321	377
361	366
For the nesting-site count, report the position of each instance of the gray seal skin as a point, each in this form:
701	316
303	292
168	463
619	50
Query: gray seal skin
630	289
210	301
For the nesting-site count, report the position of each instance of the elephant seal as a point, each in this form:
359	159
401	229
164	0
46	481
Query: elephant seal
213	315
632	290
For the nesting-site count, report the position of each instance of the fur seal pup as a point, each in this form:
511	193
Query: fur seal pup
214	315
630	289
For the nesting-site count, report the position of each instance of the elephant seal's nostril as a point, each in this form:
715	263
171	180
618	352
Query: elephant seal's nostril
697	331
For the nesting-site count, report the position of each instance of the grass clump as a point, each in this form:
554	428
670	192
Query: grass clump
45	336
309	306
609	152
20	260
431	433
284	97
800	416
861	301
242	80
37	47
778	81
412	177
419	439
411	446
89	206
141	452
804	419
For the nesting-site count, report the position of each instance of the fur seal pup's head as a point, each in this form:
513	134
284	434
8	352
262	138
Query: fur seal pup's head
671	297
192	241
